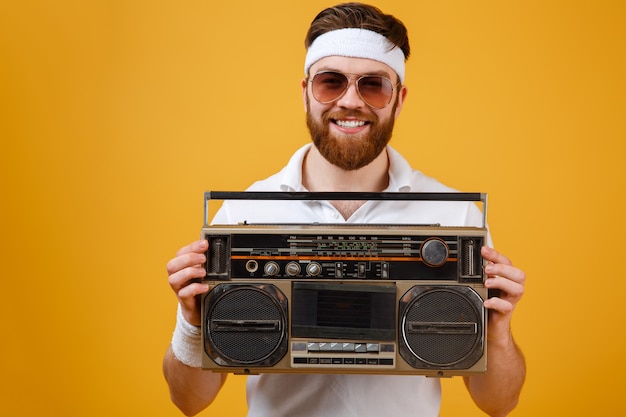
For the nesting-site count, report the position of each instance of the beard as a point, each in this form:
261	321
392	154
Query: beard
350	152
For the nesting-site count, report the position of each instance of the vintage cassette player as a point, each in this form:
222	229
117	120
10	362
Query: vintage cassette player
327	298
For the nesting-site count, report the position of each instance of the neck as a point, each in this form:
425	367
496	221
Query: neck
320	175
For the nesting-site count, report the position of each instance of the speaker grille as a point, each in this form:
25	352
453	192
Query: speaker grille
443	327
246	325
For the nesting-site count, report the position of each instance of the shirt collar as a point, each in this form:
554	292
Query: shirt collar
292	173
399	171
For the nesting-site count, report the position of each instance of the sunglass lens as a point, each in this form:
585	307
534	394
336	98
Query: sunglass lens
328	86
375	91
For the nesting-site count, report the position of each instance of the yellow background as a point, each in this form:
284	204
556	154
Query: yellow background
115	117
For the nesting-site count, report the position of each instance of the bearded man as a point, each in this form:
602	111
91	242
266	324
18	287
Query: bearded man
353	91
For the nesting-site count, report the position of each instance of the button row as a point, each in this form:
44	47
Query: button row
342	347
347	347
342	361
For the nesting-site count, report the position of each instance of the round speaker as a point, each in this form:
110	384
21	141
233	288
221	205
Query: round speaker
441	327
245	324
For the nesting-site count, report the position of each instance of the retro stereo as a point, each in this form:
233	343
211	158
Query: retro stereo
338	298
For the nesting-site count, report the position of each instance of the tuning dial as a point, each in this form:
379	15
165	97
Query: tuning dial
313	269
434	252
271	268
292	269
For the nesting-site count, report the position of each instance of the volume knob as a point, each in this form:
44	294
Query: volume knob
292	269
434	252
271	268
313	269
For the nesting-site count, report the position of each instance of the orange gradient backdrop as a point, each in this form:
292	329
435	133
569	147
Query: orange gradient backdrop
115	117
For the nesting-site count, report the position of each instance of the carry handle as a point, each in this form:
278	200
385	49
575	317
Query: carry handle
349	195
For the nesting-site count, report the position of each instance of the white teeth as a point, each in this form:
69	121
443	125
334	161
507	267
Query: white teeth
350	124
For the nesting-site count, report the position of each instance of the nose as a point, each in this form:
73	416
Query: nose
351	98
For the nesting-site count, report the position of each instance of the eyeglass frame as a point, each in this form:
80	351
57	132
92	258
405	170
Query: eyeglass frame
354	78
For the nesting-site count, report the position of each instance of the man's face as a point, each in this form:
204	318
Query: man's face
348	132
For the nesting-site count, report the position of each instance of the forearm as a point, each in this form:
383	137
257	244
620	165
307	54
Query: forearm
497	391
191	389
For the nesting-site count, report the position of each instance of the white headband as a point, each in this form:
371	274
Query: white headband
356	43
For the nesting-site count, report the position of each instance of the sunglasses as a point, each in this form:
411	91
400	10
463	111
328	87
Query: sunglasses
375	90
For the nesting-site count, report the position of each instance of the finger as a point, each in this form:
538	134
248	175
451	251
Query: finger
508	289
186	276
189	292
185	260
192	254
189	301
507	271
492	255
499	305
198	246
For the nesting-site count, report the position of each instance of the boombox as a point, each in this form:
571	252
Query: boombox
344	298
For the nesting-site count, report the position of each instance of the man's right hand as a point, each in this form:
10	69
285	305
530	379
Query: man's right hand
185	272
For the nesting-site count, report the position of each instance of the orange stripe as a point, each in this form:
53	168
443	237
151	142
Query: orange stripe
334	258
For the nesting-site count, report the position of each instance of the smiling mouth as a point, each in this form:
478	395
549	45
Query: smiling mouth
350	124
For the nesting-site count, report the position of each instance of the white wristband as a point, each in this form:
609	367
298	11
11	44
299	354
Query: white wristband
186	342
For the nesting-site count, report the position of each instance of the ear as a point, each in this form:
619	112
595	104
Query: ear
304	92
401	97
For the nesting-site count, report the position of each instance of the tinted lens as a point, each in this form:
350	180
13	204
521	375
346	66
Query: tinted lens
329	86
375	90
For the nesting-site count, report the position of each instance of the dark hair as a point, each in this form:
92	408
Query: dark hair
362	16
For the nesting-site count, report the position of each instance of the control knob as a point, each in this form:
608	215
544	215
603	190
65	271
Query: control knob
434	252
271	268
313	269
292	269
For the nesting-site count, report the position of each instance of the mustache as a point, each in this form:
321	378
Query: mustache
349	114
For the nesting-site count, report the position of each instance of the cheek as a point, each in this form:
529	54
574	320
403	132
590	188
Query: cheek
315	110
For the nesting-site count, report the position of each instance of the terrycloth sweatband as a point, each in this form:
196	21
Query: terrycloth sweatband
186	342
355	43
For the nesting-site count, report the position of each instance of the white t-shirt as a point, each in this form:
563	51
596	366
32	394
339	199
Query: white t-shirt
309	395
